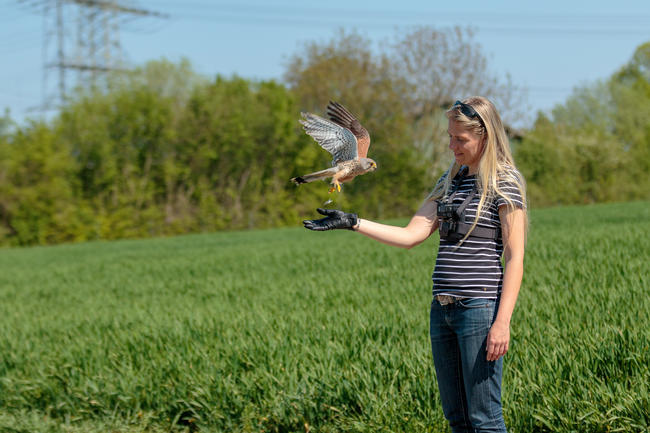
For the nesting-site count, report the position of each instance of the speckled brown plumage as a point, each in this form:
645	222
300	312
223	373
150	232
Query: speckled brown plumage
341	116
345	138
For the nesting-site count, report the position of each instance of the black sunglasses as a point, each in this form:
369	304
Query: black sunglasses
468	111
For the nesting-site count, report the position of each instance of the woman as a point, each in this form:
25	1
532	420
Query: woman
479	207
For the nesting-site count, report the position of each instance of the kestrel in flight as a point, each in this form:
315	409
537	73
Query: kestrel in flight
343	137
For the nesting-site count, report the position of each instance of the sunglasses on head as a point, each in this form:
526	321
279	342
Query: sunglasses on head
468	111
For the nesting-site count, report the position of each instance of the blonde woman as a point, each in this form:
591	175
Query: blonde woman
479	208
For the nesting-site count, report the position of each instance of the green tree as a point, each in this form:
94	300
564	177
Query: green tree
37	201
630	95
121	141
596	146
240	145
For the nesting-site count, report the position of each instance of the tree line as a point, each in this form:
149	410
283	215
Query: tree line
162	150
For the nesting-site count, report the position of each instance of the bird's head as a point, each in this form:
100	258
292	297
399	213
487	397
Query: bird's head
368	164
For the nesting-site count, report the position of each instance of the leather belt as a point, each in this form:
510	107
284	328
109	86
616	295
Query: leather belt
446	299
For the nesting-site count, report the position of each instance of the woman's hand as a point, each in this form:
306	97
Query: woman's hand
334	219
498	340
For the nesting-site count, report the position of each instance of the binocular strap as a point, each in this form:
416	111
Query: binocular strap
478	232
463	228
465	202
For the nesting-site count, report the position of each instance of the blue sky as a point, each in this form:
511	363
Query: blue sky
548	47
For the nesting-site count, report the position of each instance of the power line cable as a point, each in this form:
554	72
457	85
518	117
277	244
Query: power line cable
235	18
265	14
393	14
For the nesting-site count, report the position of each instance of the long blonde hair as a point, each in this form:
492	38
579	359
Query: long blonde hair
496	163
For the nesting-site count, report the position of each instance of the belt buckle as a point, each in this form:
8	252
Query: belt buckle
445	299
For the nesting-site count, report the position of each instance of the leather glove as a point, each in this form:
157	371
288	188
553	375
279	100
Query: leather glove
334	219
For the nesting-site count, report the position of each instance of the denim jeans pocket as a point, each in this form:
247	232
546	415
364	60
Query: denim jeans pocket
476	303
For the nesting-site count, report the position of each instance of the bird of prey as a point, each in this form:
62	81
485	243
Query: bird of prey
343	137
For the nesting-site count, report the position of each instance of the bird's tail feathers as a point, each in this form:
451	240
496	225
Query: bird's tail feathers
328	172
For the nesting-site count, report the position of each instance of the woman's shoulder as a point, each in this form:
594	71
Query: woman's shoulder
511	188
510	174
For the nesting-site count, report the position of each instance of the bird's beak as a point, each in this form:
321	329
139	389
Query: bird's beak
374	165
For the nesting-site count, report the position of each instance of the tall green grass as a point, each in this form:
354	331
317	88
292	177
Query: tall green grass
288	330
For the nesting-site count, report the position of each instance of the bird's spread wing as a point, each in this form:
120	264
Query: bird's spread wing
337	140
341	116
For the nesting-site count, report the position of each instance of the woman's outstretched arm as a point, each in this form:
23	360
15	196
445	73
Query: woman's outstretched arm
423	223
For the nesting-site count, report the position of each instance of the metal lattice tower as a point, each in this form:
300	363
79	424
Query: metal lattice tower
81	42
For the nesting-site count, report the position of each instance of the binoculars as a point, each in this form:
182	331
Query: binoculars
447	211
448	217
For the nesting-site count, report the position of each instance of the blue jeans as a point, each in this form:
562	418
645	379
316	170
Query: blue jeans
470	386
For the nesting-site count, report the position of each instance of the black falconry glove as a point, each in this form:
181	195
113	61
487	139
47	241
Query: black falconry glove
334	219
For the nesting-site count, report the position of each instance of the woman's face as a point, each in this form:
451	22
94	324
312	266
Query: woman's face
467	146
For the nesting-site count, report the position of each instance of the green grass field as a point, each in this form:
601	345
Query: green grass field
288	330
